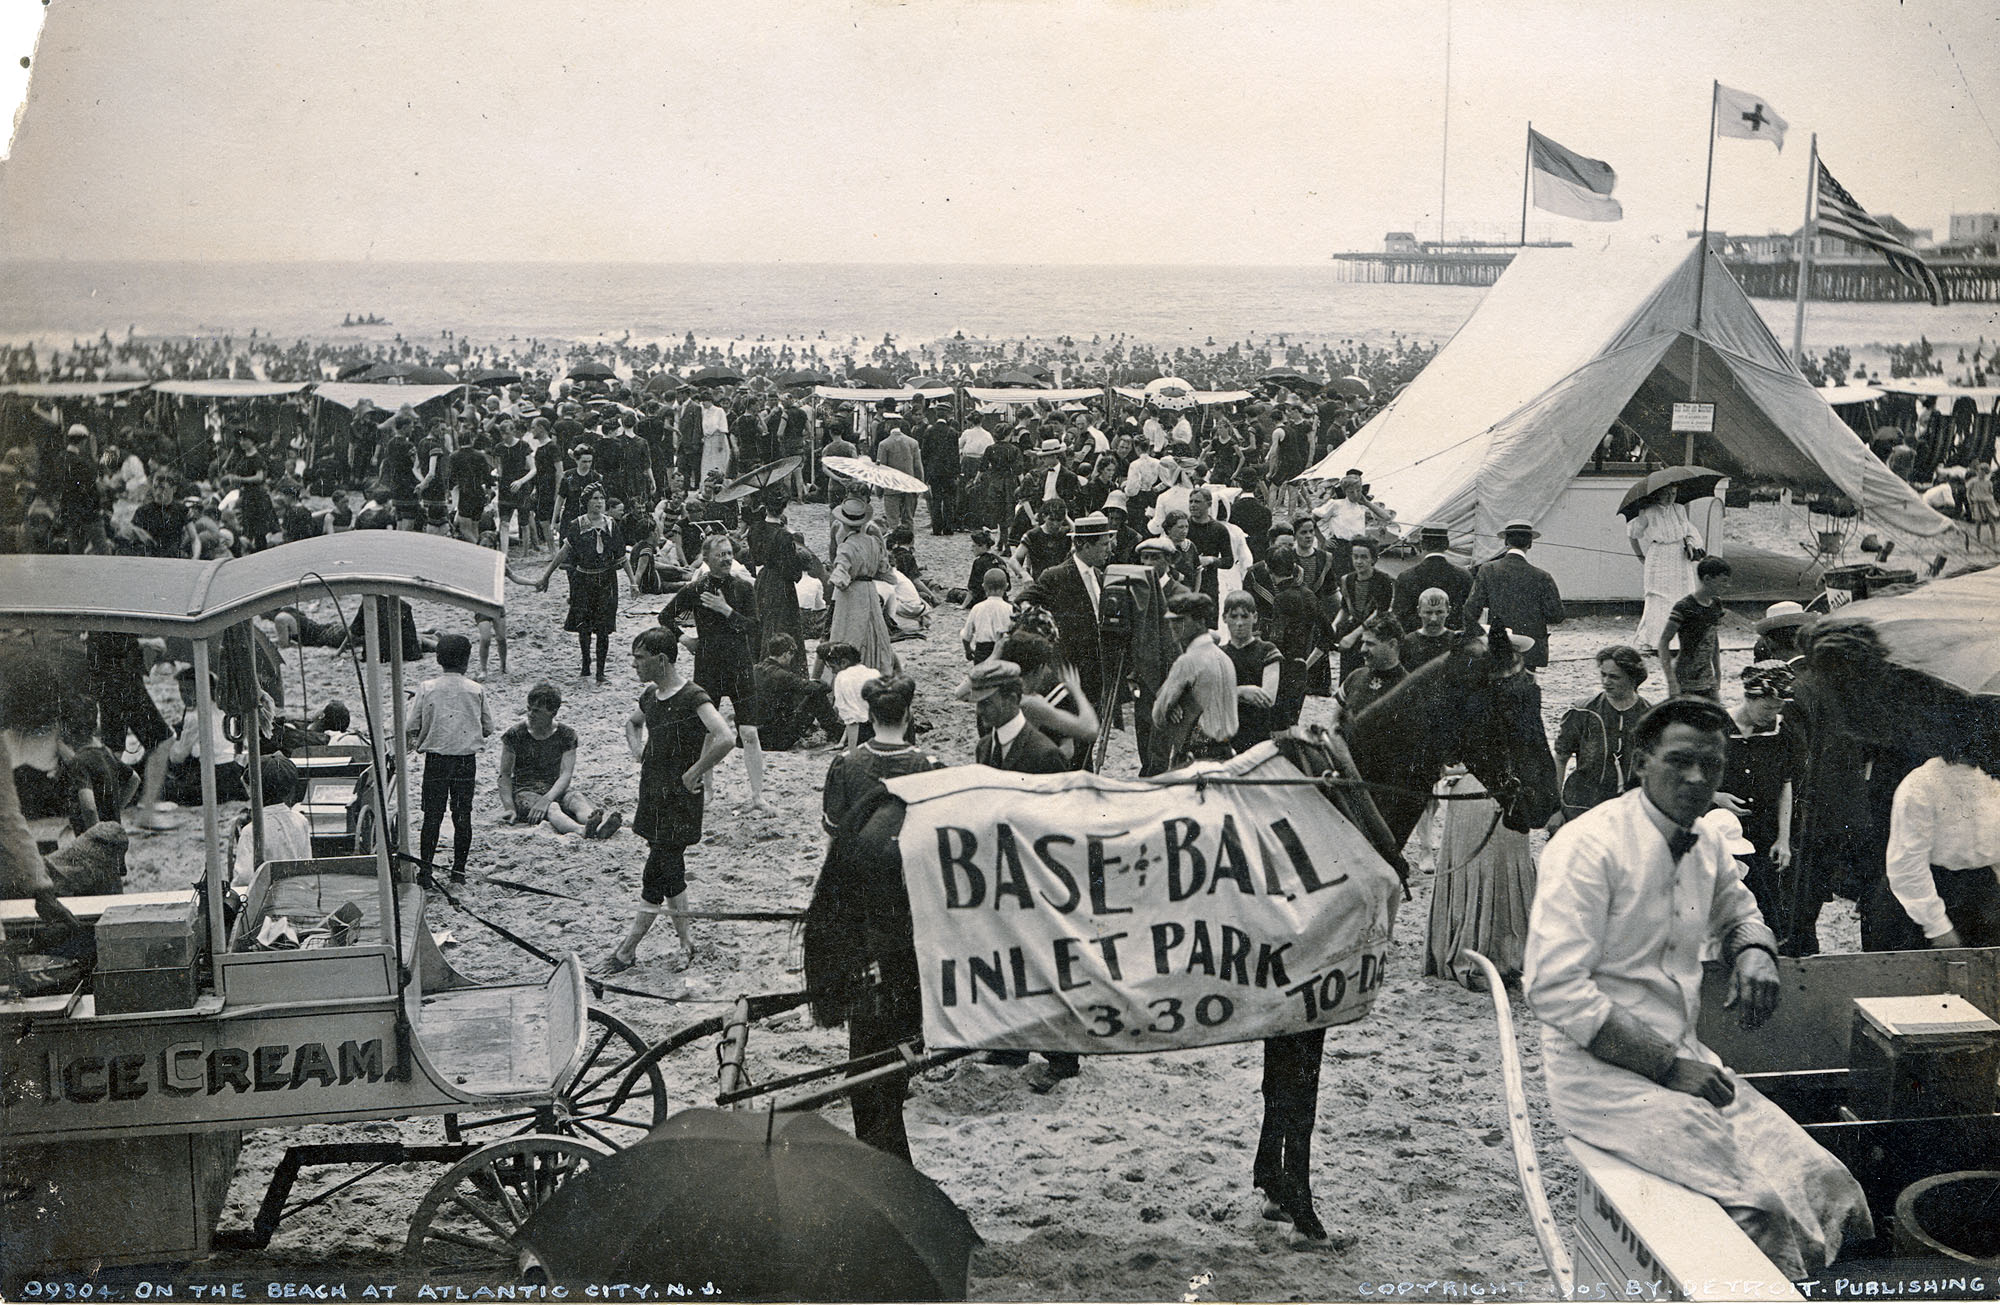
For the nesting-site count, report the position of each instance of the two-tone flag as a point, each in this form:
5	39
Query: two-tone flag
1566	182
1839	215
1747	117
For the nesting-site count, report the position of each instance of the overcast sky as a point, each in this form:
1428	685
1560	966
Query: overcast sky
1039	131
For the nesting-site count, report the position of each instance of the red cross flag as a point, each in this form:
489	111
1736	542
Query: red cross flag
1747	117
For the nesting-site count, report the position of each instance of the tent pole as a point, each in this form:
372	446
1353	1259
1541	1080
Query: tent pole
1444	149
1805	258
1707	188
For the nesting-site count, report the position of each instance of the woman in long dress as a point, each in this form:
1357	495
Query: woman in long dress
860	558
715	441
1666	541
1485	881
780	563
592	548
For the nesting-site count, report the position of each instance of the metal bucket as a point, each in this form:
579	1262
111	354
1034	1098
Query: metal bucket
1952	1216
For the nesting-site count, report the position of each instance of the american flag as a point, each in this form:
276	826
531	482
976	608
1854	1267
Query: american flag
1840	215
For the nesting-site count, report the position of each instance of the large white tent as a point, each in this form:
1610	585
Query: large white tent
1569	342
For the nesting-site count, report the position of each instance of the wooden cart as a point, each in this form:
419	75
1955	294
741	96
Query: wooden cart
125	1098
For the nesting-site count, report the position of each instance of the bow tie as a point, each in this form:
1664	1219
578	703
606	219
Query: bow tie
1679	843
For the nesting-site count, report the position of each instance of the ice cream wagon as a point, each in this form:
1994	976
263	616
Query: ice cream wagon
126	1094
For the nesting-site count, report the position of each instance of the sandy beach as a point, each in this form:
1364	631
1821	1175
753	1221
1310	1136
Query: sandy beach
1123	1184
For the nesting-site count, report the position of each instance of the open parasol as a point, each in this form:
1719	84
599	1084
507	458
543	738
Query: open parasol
495	376
873	378
751	481
1291	378
774	1206
867	471
1019	378
1689	484
715	376
664	383
428	376
1352	386
592	371
1170	392
804	377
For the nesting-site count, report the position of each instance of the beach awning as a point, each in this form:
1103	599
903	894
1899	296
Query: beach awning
1012	395
1935	387
71	389
348	394
1137	393
194	600
1839	395
843	394
1948	629
228	389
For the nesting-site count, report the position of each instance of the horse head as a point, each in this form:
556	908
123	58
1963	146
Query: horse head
1454	709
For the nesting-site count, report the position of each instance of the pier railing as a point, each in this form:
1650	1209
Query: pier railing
1967	281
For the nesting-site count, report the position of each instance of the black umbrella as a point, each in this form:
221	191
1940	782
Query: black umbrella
803	377
1038	371
716	376
1689	484
768	1206
927	383
874	378
1291	378
664	383
354	371
377	371
1139	375
428	376
751	481
495	376
1352	386
592	371
1019	378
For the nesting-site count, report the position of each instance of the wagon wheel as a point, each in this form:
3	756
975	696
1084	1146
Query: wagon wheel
470	1221
591	1106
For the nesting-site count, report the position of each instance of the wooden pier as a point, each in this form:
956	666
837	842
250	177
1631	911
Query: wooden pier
1864	280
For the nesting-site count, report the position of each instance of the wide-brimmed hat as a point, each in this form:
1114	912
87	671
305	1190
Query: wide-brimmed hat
1096	523
1116	501
987	679
1782	616
855	511
1522	643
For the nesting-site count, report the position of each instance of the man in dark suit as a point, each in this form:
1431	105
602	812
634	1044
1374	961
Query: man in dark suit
1514	592
1435	571
1070	590
1008	742
939	447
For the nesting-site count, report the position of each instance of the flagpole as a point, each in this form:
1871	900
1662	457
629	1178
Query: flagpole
1444	152
1707	188
1701	264
1527	165
1805	257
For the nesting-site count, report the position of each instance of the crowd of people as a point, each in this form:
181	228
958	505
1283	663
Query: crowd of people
1160	568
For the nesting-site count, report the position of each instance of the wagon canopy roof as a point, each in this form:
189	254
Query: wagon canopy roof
166	596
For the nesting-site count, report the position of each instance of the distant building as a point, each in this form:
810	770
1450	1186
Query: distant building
1976	232
1403	242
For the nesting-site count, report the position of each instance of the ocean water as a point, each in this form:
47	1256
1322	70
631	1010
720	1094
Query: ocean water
836	307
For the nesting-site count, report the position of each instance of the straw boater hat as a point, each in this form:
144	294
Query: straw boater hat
1782	616
1094	524
987	679
855	510
1520	526
1049	449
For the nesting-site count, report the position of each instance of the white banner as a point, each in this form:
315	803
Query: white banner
1079	913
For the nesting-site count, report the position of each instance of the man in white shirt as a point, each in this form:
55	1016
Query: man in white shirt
1944	852
1629	894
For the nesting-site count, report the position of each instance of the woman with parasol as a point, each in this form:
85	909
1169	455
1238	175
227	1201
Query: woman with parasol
860	558
1665	540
